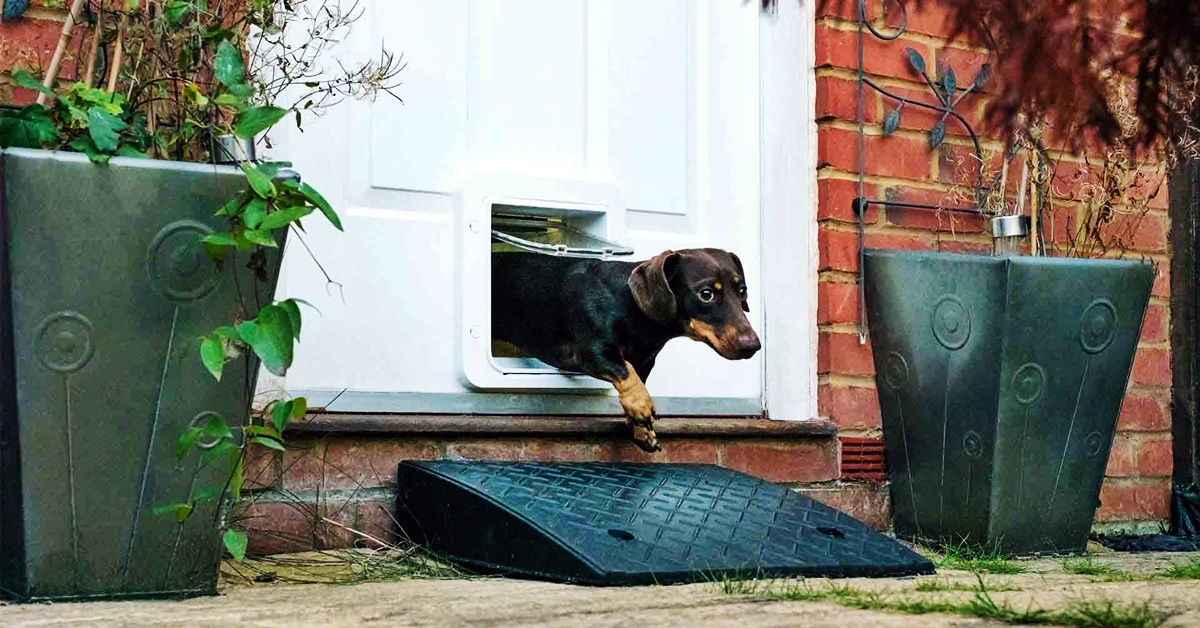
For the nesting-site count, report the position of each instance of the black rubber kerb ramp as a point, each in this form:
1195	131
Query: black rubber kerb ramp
625	524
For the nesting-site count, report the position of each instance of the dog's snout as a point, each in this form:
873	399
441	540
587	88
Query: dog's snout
748	344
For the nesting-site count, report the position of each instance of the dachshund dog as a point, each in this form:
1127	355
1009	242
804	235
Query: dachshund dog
610	319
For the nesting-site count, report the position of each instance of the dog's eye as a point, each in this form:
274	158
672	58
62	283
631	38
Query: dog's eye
706	295
742	291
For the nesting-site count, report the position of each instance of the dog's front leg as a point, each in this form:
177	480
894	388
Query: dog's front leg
639	409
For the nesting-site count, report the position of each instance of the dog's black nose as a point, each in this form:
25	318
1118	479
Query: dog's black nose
748	344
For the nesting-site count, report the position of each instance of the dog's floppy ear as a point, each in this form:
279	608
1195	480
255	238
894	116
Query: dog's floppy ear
651	286
737	262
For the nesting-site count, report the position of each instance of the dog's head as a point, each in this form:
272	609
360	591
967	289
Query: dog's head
704	291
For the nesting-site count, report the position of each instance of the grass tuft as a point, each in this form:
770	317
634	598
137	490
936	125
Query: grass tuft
1087	566
1183	571
977	559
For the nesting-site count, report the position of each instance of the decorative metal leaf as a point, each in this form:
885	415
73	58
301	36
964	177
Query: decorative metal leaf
891	122
915	60
983	76
938	134
949	81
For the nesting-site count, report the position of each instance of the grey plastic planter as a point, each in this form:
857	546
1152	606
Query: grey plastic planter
105	292
1000	381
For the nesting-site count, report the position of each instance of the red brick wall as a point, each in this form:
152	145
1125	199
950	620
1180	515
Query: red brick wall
1137	486
28	44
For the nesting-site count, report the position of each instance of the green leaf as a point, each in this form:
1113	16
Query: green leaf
125	150
229	100
299	408
112	102
233	206
293	312
915	60
261	237
268	442
235	541
226	333
259	181
270	336
22	78
238	476
184	511
255	211
222	448
105	129
187	440
207	493
242	91
315	198
262	430
212	353
85	145
228	66
174	11
220	239
181	511
282	217
251	122
281	411
215	429
30	127
194	94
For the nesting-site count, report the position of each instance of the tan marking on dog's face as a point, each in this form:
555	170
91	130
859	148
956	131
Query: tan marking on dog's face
720	339
639	409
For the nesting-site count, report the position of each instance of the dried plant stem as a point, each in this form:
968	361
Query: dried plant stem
115	71
1020	208
1035	203
60	49
89	76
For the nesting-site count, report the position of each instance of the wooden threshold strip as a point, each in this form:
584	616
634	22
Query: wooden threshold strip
400	424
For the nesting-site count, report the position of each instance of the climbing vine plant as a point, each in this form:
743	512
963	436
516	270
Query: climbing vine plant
165	79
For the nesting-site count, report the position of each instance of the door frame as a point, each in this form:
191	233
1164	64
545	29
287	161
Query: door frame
788	194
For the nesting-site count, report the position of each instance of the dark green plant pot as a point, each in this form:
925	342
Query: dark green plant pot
1000	381
105	293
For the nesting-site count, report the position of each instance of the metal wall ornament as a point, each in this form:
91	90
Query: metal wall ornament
946	94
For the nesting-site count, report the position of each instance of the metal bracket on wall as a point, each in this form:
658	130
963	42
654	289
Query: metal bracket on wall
947	94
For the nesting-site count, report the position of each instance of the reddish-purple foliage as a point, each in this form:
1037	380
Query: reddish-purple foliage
1054	58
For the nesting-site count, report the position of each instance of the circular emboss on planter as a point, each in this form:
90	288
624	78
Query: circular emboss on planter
1097	326
1029	382
951	323
63	342
177	264
973	445
198	421
895	371
1093	443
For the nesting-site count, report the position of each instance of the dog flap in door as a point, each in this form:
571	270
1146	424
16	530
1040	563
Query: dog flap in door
550	217
550	235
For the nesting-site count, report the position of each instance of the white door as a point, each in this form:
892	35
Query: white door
659	98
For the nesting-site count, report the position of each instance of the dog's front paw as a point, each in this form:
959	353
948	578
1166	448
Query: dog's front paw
644	436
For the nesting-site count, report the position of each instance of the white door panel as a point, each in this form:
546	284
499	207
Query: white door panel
660	98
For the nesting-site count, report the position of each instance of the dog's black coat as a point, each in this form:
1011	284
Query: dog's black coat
575	314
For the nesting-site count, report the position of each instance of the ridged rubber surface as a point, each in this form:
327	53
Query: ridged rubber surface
613	523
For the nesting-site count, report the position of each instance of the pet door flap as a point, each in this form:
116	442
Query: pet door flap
551	235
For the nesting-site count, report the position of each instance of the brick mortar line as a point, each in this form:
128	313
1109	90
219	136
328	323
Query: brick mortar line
43	14
838	226
847	381
843	25
963	141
